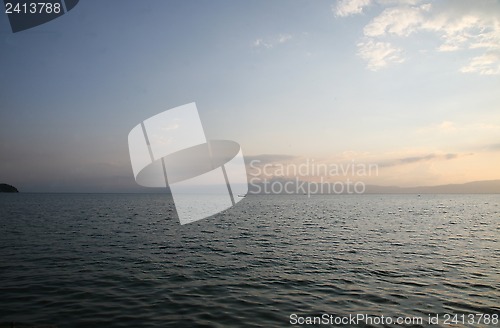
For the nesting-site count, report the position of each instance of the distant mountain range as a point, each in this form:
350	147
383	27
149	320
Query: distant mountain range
299	187
475	187
294	187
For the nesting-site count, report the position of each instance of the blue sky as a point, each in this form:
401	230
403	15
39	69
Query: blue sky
376	81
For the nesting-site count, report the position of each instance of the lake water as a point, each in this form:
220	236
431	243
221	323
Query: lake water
123	260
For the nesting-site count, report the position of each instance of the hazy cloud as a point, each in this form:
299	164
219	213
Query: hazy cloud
271	42
399	21
493	147
269	158
460	25
447	126
284	38
379	54
491	129
487	64
350	7
260	43
416	159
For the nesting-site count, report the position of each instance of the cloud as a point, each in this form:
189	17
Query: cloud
467	26
284	38
485	129
271	42
399	21
494	147
260	43
404	167
379	54
345	8
487	64
398	2
487	147
417	159
269	158
447	126
350	7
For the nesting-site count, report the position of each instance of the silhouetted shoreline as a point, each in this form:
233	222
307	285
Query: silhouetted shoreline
8	188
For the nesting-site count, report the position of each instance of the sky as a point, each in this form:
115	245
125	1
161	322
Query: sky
408	85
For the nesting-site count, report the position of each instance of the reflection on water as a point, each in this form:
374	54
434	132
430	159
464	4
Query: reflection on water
124	260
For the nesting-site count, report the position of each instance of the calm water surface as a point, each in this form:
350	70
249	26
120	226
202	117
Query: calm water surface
97	260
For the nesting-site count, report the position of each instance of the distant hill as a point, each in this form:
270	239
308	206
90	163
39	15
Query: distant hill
7	188
475	187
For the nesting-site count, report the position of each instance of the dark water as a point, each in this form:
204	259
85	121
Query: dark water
122	261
